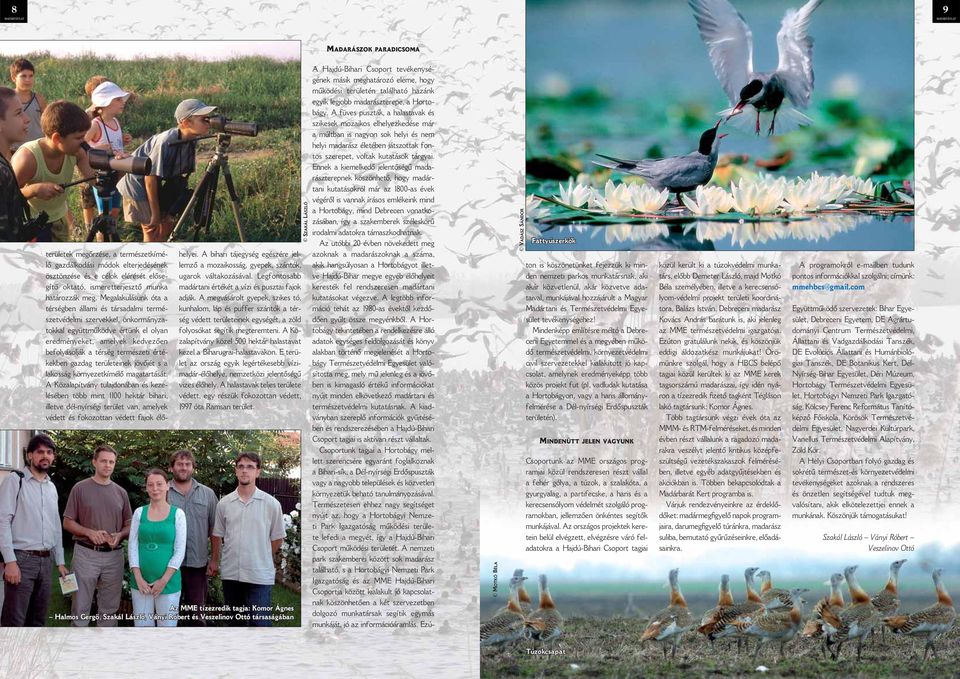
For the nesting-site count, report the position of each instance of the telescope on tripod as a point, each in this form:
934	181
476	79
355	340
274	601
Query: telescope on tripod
204	194
105	181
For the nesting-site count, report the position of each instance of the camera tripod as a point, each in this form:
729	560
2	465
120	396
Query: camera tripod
203	196
105	182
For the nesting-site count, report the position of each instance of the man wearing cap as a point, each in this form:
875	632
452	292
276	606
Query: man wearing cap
30	537
154	200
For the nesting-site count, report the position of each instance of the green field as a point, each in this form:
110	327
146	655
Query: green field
266	168
611	647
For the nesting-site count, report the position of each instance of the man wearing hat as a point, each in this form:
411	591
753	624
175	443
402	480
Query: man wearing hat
154	200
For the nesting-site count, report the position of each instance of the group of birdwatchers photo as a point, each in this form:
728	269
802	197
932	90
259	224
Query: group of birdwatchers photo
167	141
720	125
150	528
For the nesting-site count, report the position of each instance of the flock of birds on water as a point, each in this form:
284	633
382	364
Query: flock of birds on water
770	615
729	43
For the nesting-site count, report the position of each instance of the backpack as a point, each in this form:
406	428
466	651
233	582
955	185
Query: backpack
19	490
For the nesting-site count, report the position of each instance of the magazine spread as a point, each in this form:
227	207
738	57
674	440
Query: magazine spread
517	339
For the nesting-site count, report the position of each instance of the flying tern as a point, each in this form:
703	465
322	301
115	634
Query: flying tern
730	44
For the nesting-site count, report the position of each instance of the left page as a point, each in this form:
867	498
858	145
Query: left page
224	322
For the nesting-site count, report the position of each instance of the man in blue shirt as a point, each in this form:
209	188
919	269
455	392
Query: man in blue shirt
151	200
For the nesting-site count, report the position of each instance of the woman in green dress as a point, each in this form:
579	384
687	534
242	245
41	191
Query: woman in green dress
158	539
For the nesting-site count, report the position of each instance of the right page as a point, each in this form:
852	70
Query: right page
734	433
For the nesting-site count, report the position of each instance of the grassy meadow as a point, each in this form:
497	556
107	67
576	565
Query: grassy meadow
266	168
611	647
603	625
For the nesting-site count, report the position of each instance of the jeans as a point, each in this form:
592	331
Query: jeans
26	604
193	597
250	603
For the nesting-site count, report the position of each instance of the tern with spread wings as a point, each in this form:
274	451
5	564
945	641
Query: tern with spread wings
730	44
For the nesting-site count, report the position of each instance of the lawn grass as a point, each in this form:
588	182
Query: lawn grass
266	168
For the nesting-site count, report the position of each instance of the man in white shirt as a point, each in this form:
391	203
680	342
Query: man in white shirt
247	532
30	537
